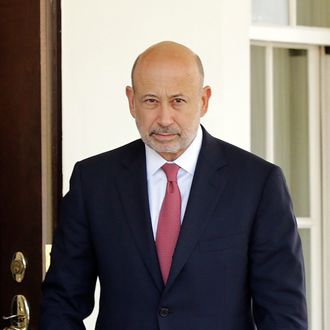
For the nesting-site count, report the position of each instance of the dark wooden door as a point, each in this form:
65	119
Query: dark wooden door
23	86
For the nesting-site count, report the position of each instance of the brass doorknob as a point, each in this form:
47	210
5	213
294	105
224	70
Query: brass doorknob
20	318
18	266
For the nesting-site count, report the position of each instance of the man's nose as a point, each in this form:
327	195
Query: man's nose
165	116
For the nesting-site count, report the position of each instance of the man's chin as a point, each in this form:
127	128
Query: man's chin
165	149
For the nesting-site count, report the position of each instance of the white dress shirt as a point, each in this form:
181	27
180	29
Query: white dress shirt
157	178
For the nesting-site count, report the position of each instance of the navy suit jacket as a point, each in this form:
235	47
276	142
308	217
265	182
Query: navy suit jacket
237	265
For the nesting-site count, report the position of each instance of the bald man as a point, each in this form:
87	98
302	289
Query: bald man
184	231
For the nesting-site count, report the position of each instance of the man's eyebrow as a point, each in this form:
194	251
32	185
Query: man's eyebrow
170	96
178	95
149	95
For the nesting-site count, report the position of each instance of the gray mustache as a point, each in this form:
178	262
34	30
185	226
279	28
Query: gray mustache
165	130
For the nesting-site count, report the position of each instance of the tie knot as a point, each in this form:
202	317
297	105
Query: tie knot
171	171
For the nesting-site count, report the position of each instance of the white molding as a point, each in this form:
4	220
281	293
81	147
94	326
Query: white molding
293	12
305	223
269	105
291	34
315	185
325	99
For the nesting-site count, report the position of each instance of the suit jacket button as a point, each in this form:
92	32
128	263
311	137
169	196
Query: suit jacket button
163	312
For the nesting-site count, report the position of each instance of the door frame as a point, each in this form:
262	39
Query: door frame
51	118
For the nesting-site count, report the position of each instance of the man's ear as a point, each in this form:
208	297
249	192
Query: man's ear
207	92
130	97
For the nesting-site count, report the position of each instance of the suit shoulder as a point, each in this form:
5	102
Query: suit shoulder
112	157
237	153
248	167
242	160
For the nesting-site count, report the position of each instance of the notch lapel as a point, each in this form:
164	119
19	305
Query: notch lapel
132	186
208	184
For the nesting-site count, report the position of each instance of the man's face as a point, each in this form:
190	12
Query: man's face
167	103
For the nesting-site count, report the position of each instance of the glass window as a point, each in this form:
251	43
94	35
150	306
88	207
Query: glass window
258	101
270	12
285	129
290	149
291	137
313	13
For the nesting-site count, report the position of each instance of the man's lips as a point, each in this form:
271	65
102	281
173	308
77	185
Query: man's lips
164	136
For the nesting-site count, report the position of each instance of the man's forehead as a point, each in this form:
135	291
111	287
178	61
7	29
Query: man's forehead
172	83
166	50
166	60
164	64
166	72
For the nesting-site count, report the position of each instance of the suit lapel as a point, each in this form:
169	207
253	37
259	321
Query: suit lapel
132	184
208	184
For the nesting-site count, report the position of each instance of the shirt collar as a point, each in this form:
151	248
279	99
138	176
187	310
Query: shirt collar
187	161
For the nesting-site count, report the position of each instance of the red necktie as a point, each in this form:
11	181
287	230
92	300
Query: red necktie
169	221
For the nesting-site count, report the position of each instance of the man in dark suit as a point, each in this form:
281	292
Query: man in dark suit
234	260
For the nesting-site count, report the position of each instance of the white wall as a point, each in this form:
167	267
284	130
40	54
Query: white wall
102	38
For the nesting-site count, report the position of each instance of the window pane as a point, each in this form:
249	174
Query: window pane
258	101
305	236
313	13
270	12
291	147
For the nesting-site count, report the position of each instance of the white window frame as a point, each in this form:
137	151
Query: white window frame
291	35
319	223
292	14
314	221
325	105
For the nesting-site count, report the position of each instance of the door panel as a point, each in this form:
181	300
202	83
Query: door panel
21	161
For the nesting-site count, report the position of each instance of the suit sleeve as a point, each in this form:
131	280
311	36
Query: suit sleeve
68	289
277	277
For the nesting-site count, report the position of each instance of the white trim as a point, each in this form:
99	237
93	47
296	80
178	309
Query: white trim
289	34
269	105
325	99
293	12
315	185
305	223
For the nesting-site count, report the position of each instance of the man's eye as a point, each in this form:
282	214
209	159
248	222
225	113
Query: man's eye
179	100
150	101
